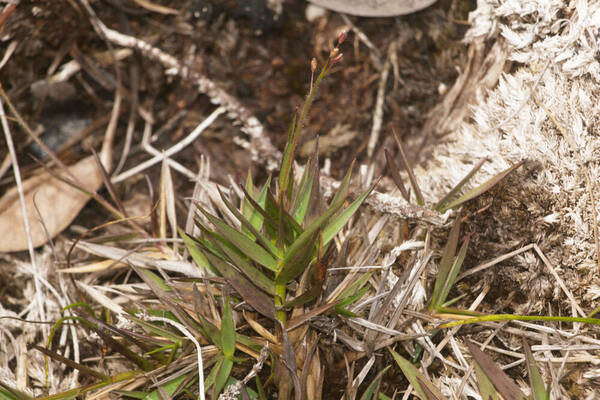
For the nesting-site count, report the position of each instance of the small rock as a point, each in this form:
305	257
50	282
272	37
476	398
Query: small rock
313	12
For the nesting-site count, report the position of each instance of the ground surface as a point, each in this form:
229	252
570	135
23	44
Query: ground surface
265	64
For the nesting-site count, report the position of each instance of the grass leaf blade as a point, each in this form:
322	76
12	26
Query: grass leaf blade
502	383
481	189
535	378
227	329
338	223
416	378
458	187
445	264
409	170
243	243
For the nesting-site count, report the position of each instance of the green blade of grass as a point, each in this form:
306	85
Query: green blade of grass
369	393
252	232
211	332
308	234
261	208
197	255
8	393
298	262
288	157
445	264
205	244
156	330
535	378
342	192
247	209
257	218
291	228
250	293
238	259
227	330
169	387
338	223
349	300
486	387
260	389
223	376
243	243
303	196
416	378
356	286
481	189
210	379
440	204
453	273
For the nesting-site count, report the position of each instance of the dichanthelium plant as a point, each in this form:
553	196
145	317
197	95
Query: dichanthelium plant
283	236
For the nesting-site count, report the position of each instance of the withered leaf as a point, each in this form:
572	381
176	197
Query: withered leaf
47	199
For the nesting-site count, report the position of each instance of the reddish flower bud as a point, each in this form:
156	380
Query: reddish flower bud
337	58
342	37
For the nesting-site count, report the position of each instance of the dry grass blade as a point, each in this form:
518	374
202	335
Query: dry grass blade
148	5
502	383
395	171
301	319
250	293
409	170
481	189
288	358
57	357
440	204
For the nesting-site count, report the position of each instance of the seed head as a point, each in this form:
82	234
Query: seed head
334	53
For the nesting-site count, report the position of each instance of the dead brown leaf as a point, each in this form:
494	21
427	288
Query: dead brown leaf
51	206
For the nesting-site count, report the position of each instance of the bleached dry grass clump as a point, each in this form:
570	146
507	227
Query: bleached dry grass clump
553	45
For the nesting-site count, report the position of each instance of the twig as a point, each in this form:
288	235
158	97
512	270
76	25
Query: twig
152	151
378	111
494	262
559	280
250	124
364	39
174	149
